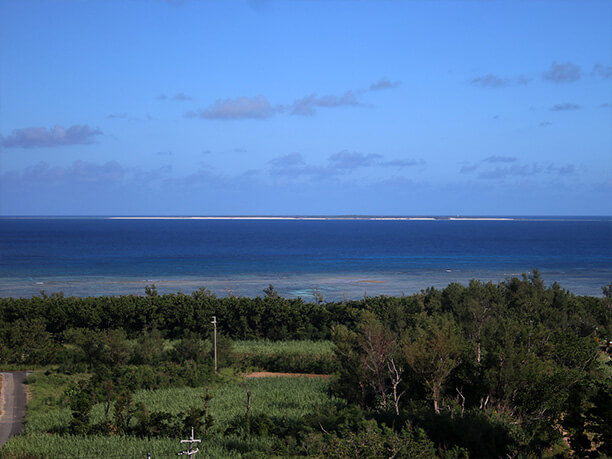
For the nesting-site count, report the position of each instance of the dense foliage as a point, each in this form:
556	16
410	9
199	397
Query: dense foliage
277	318
483	370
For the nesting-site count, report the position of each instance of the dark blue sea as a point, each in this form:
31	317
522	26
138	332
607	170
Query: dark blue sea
339	258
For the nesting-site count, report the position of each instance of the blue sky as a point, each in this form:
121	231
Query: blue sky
305	107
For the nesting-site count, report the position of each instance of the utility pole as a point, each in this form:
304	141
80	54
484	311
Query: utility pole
214	322
191	441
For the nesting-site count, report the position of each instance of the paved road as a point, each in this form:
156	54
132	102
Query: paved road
13	401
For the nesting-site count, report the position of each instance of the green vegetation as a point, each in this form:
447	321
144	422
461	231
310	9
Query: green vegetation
284	400
267	347
515	369
97	446
292	356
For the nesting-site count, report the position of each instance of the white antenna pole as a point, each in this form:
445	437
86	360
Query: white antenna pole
191	441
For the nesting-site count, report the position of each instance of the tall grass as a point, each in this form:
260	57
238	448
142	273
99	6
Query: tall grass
283	347
287	356
48	411
69	446
282	397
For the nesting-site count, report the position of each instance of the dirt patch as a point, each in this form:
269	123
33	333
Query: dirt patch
269	374
1	400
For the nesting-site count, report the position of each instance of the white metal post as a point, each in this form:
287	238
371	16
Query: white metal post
214	322
190	452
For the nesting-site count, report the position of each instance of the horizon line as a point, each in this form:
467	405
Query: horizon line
317	217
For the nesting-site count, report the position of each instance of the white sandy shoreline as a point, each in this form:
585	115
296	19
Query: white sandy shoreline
319	218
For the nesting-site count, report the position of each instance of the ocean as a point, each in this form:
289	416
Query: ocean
339	258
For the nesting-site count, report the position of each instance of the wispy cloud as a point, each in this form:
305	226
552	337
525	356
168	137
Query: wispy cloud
545	123
604	187
251	173
603	71
499	159
117	116
562	73
77	172
83	173
342	163
493	81
349	160
260	108
306	106
383	83
256	107
293	165
146	177
181	97
401	163
292	159
564	107
513	168
566	169
41	137
468	168
199	177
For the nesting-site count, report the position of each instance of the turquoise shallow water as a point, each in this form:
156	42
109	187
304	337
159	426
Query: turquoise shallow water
341	258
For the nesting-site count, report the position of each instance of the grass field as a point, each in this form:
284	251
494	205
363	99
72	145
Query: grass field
278	347
283	397
286	398
287	356
48	409
264	346
68	446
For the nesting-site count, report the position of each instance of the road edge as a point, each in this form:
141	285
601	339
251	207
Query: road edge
13	400
1	394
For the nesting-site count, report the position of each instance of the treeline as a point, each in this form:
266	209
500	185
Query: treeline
274	318
277	318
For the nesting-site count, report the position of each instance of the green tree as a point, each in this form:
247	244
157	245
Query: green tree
434	353
191	348
27	341
270	292
371	368
81	402
151	290
149	348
